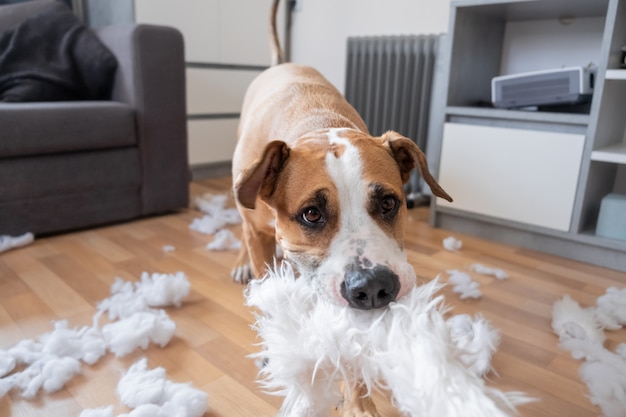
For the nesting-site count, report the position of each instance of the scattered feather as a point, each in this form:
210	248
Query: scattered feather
216	216
571	321
581	332
485	270
153	290
151	394
138	331
8	242
612	306
224	240
49	362
98	412
476	339
452	244
463	284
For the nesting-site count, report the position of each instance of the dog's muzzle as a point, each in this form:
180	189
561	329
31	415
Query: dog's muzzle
369	288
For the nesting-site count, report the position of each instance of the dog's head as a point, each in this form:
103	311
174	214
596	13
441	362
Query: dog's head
340	210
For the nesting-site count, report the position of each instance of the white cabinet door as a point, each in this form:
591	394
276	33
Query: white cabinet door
232	37
525	176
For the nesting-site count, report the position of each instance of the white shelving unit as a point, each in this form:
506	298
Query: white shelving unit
615	154
617	74
531	178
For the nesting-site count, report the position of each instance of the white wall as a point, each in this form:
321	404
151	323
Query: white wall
321	27
235	32
215	32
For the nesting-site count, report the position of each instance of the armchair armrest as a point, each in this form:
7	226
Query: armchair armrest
151	79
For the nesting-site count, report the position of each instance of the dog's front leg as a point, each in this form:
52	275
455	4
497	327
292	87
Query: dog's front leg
258	247
357	402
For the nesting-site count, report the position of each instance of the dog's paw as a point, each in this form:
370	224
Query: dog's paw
359	413
358	407
242	274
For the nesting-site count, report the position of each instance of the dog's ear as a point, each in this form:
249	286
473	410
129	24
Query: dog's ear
260	177
408	155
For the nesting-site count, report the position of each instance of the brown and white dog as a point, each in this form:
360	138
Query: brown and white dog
308	176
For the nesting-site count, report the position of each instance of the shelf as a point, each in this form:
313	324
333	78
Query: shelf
615	74
615	154
525	10
520	115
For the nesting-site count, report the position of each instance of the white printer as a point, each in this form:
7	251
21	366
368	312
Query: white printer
555	87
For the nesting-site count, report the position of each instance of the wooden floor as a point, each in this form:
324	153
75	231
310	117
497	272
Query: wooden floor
63	277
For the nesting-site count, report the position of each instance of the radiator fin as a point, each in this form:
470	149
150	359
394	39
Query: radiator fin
389	81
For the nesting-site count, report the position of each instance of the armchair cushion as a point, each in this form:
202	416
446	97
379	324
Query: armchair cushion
75	126
52	56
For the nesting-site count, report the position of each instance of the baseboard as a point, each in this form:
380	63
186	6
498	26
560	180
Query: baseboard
210	170
579	249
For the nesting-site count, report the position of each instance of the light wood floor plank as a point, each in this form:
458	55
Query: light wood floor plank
64	277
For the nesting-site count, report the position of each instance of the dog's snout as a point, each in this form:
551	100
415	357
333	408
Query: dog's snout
370	288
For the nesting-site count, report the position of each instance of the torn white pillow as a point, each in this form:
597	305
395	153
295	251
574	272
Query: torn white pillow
311	345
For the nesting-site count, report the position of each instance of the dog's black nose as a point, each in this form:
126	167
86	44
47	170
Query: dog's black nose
369	288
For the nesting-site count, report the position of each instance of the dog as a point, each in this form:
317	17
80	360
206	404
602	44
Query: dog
308	176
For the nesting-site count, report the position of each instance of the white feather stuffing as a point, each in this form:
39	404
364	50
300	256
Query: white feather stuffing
463	284
571	321
84	344
98	412
138	331
452	244
151	394
580	331
8	242
216	216
604	372
56	357
162	290
485	270
606	387
153	290
612	308
7	362
476	339
310	345
225	239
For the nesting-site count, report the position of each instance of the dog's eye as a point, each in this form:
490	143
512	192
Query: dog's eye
388	205
312	215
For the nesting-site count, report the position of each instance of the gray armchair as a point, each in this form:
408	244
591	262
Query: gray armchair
67	165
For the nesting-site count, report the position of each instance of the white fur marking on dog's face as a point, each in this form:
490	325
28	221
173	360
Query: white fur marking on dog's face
359	239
